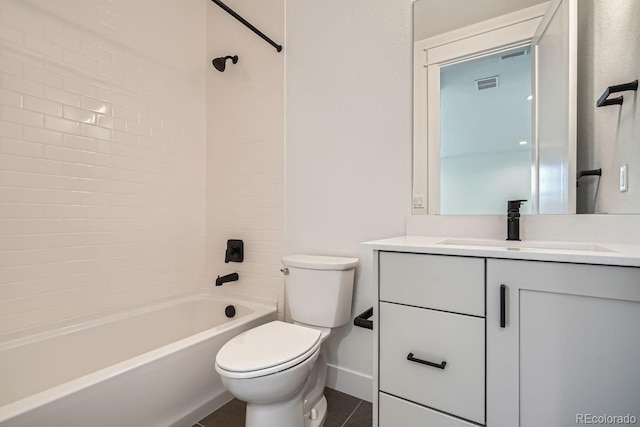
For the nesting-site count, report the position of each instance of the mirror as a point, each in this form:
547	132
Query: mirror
606	36
488	160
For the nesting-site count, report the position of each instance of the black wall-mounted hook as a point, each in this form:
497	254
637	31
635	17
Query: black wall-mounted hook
362	319
590	172
603	101
235	251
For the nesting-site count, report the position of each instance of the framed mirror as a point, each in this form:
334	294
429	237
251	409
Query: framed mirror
504	106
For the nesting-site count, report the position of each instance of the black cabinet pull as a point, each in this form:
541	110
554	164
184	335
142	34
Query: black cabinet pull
426	362
503	302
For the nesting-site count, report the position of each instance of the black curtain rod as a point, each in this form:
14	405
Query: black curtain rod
247	24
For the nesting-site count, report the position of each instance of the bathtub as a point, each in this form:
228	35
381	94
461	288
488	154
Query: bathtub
152	366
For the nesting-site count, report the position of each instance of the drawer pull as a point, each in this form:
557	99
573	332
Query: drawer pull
426	362
503	306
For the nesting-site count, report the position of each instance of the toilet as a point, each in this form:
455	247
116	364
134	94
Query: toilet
280	368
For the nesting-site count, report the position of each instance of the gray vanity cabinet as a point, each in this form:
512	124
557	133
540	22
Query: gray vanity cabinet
526	343
431	352
563	343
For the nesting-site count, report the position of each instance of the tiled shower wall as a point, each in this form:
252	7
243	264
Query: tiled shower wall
102	155
245	162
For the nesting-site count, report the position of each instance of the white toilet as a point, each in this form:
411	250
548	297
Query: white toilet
280	368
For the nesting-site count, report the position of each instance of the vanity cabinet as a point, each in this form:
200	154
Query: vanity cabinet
431	340
562	343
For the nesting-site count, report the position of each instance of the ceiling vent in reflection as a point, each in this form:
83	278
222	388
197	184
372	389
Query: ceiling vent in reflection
513	54
487	83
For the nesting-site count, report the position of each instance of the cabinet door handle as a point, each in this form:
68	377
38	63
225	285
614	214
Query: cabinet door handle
503	308
426	362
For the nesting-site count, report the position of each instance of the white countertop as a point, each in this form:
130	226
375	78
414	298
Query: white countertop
574	252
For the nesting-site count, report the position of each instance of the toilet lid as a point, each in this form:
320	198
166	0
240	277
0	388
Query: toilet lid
320	262
272	345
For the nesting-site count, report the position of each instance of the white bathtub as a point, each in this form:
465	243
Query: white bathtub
152	366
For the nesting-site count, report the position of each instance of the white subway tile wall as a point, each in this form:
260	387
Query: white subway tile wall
245	162
102	155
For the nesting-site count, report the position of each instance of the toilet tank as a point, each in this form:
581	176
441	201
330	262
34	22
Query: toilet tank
319	289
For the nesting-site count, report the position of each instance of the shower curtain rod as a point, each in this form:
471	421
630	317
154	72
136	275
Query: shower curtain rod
247	24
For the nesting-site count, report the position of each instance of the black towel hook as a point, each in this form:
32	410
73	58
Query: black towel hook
590	172
603	101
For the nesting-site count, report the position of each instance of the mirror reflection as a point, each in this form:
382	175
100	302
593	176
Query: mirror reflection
504	106
488	159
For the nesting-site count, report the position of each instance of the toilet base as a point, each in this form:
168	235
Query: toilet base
320	411
278	414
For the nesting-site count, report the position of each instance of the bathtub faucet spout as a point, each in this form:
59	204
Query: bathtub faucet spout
228	278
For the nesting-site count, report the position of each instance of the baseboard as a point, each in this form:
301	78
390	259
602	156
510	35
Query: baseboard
350	382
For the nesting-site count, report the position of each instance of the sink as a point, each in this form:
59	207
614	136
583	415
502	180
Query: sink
525	245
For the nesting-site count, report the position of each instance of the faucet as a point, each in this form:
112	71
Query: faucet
513	219
227	278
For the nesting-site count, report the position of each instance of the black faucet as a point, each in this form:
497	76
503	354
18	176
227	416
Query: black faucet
228	278
513	219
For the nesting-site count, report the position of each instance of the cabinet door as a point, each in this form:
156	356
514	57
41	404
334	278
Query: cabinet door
564	345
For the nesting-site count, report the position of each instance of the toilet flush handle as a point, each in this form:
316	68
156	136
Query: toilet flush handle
285	271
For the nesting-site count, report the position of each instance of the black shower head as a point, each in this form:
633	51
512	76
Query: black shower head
220	62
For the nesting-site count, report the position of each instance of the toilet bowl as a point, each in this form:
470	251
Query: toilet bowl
280	368
267	367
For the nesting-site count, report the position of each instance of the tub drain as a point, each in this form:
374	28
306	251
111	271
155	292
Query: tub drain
230	311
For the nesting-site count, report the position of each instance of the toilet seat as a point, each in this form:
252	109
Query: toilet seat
267	349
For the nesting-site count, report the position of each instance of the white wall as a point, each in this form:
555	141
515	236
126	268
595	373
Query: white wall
608	137
348	146
245	148
102	168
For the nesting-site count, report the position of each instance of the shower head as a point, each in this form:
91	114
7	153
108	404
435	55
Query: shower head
219	63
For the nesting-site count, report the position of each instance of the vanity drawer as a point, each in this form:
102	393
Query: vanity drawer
397	412
448	283
433	336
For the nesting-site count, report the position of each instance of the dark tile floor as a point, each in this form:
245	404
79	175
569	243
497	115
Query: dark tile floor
343	411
